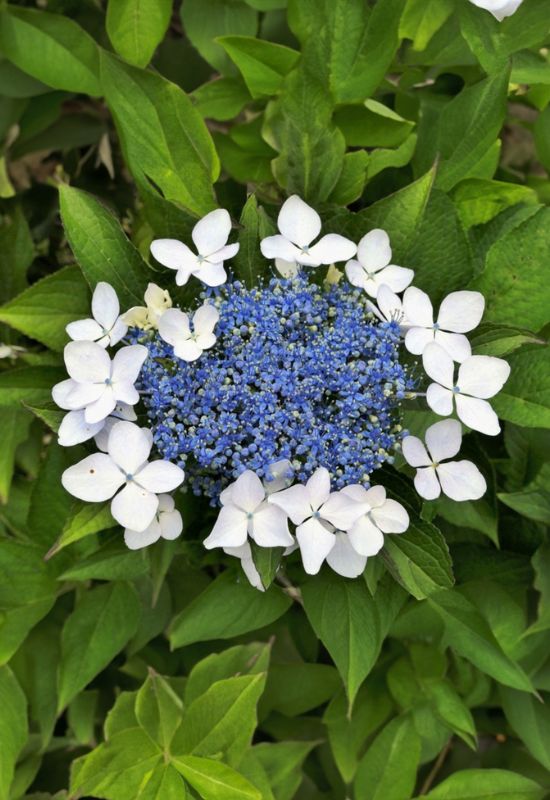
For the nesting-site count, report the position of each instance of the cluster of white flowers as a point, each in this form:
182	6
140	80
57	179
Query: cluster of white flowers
343	528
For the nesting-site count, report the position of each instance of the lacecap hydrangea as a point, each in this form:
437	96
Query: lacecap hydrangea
278	402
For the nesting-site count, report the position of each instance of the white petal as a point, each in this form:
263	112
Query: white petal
93	479
242	551
288	269
105	305
278	476
298	222
332	248
205	319
171	524
124	411
174	254
206	340
211	274
341	511
84	394
414	452
61	393
230	529
461	480
247	492
102	437
174	326
477	415
183	274
375	496
84	330
389	303
137	317
166	503
134	507
426	483
374	250
315	544
135	540
118	331
438	365
418	308
212	232
417	339
461	312
294	501
443	439
318	487
225	253
456	345
157	299
159	476
344	559
126	393
391	517
440	399
252	574
102	407
269	527
188	350
129	446
74	429
356	492
355	274
279	247
365	538
397	278
128	362
483	376
87	362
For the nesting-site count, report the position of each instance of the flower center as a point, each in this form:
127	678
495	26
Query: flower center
456	389
129	477
250	515
436	326
108	382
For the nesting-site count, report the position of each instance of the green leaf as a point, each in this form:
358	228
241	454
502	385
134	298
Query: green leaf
515	275
477	200
249	264
467	632
222	720
267	561
530	719
294	689
102	623
226	609
525	398
486	784
372	124
13	728
382	158
215	781
262	64
239	660
164	138
42	311
137	27
52	48
351	623
14	423
158	710
204	21
84	519
422	18
101	247
16	256
533	501
388	768
222	98
453	711
493	339
31	385
110	562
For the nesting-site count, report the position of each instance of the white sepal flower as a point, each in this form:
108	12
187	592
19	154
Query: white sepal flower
279	476
96	383
479	377
245	512
499	8
98	477
459	312
299	225
459	480
107	326
167	524
244	553
189	344
318	513
389	307
383	516
146	317
74	429
373	266
210	236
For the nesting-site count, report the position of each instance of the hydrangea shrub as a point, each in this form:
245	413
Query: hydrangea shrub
275	395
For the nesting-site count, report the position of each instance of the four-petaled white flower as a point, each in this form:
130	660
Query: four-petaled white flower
479	377
98	477
383	515
146	317
74	429
210	237
459	480
96	384
299	225
373	266
246	512
107	326
499	8
459	312
167	524
175	328
320	516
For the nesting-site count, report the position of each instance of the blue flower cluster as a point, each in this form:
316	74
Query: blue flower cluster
298	372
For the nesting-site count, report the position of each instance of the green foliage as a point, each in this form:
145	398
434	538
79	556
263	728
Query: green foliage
161	674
